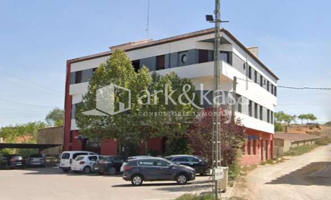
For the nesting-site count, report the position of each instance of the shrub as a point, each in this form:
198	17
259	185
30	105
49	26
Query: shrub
300	150
278	127
325	140
178	145
196	197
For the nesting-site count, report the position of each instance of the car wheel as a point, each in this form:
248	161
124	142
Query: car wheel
112	171
137	180
87	170
182	179
65	170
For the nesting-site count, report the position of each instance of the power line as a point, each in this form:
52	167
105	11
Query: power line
45	89
26	104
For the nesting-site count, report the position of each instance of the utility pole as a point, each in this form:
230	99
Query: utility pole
217	88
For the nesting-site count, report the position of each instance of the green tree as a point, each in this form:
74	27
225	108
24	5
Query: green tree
302	117
148	95
55	117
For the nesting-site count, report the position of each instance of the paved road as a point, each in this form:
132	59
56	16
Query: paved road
51	184
307	177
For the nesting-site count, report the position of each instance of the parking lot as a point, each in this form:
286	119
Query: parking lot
52	183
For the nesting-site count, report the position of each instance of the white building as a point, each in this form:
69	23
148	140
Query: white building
191	56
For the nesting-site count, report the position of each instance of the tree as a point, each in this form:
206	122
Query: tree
311	117
302	117
116	70
233	135
55	117
148	96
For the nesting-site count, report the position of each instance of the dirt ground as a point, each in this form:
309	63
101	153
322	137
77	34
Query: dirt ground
52	184
306	177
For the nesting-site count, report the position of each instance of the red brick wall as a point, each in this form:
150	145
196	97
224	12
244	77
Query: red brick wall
109	147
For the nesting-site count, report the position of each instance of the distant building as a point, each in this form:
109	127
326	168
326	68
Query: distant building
52	135
286	141
190	56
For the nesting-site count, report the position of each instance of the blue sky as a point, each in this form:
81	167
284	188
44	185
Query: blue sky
37	37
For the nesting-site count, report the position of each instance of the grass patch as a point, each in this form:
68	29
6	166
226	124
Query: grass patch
196	197
300	150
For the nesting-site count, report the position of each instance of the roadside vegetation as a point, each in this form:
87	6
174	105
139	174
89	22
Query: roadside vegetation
325	140
204	197
28	133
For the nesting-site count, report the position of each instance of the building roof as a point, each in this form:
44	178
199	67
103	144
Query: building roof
150	43
295	137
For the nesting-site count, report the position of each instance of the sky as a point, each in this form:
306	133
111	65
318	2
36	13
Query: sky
37	38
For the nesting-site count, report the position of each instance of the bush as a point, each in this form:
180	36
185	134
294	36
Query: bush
300	150
325	140
278	127
178	145
196	197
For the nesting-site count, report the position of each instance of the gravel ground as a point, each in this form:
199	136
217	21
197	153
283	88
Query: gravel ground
305	177
52	184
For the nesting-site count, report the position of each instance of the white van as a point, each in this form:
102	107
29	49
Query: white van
68	156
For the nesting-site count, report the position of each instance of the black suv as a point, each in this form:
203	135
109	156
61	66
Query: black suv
156	169
109	164
198	163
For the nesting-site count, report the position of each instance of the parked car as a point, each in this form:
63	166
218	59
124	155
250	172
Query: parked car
156	169
198	163
68	156
109	164
132	158
84	163
36	160
12	161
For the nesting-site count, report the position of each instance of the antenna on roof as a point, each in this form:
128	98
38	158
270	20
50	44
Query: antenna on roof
147	29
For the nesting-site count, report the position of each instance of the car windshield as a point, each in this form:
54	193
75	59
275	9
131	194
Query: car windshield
79	158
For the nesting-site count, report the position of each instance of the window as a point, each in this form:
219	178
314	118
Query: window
268	86
255	76
79	158
78	154
181	159
183	58
244	66
193	160
146	163
78	78
203	56
162	163
268	116
239	103
256	110
65	156
272	89
261	113
275	92
136	65
250	108
272	117
225	56
250	72
261	81
160	62
93	158
94	70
